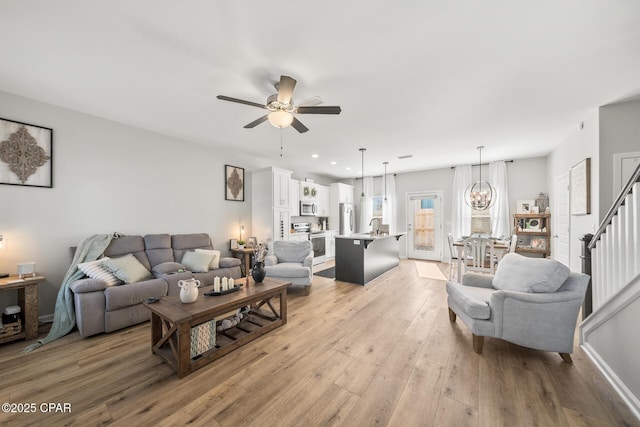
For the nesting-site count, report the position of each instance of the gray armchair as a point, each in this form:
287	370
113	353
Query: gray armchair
291	261
532	302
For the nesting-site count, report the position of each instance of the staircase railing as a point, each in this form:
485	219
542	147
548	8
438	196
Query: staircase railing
615	247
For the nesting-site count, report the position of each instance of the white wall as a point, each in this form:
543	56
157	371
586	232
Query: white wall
110	177
527	178
619	133
577	146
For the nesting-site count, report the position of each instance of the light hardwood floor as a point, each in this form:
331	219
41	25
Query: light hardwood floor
384	354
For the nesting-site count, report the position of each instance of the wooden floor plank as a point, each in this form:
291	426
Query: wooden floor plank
381	354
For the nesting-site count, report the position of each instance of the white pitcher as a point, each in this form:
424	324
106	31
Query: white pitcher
189	290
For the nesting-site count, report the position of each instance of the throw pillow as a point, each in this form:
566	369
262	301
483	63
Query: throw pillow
95	270
128	269
197	262
534	275
215	262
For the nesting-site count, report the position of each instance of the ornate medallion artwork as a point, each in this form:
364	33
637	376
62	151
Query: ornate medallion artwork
234	183
24	155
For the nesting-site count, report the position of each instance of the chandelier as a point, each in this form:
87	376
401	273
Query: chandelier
480	195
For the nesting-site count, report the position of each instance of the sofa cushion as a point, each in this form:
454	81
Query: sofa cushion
215	261
473	301
287	269
158	248
167	268
124	245
180	243
95	270
117	297
534	275
128	269
228	262
197	262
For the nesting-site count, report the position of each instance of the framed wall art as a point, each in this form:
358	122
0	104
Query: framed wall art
234	183
26	154
580	188
524	206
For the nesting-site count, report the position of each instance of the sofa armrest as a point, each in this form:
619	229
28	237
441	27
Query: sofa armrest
227	262
477	280
308	261
87	285
270	260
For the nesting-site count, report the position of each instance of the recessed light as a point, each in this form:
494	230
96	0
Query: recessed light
334	163
348	168
315	156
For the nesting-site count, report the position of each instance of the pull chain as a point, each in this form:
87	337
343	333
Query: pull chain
280	142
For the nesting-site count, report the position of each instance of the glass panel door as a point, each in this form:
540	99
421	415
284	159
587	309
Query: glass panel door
424	225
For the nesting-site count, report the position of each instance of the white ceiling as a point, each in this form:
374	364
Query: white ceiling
433	79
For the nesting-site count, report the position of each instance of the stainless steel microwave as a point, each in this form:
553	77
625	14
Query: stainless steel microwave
308	209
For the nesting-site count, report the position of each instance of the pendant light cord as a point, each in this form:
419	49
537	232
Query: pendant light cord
281	142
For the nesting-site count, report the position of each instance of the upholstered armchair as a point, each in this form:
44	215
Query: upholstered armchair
292	262
532	302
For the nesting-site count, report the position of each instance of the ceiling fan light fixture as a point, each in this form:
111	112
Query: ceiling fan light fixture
280	119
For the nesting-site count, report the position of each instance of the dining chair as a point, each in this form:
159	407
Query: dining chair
453	256
479	255
514	243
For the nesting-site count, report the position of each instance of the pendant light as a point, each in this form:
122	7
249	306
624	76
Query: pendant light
480	195
362	150
385	180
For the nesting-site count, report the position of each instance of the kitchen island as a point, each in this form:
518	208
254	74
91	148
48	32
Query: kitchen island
361	257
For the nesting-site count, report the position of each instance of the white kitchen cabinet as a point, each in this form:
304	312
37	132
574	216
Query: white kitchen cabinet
330	244
270	214
344	192
294	197
323	200
281	180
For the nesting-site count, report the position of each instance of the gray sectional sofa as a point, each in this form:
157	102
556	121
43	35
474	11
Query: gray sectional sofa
102	308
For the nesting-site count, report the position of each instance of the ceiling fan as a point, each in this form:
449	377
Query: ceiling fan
281	108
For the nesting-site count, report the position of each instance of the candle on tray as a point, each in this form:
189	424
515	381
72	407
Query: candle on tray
216	284
231	283
225	283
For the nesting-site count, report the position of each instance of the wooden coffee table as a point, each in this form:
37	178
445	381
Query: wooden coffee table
171	322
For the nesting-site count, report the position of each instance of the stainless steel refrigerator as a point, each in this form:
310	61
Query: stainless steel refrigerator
347	219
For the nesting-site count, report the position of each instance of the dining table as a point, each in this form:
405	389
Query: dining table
500	247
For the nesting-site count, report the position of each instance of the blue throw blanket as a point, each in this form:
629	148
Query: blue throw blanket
64	316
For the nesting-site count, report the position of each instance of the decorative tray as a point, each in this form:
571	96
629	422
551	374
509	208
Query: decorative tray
215	294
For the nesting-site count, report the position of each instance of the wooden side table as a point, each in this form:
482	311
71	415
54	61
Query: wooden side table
28	300
245	256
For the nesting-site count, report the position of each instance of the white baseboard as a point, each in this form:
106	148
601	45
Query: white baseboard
632	402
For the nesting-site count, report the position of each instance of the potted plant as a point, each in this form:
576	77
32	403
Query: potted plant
241	244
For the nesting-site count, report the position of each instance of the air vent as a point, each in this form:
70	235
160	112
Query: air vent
406	156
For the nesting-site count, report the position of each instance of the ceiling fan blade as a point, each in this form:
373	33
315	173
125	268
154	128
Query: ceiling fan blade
310	102
285	89
240	101
297	125
256	122
319	110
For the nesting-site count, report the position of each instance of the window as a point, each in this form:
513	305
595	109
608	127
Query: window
481	221
378	202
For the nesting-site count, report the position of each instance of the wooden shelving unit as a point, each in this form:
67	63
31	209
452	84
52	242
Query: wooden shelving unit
534	234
